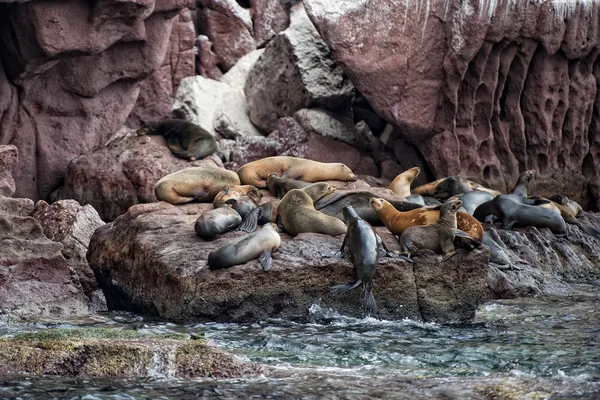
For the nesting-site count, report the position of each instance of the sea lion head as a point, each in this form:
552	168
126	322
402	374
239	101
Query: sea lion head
319	190
528	175
411	174
349	214
377	203
451	206
146	129
347	172
561	199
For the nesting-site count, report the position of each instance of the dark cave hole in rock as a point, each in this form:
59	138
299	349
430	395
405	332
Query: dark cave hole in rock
244	3
487	172
542	163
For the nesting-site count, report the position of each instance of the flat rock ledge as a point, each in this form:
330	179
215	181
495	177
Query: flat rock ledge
101	352
150	260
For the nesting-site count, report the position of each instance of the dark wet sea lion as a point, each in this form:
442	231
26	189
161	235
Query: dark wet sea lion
334	204
256	172
216	221
185	139
434	238
364	246
194	183
521	189
298	215
450	186
259	244
279	186
263	214
473	199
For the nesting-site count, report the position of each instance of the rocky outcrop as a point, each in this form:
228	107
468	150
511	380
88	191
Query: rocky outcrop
150	260
295	72
69	76
100	353
122	173
484	89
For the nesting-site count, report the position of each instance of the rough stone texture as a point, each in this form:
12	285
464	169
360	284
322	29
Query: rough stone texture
122	174
237	75
330	125
157	92
545	264
485	89
150	260
71	224
35	279
268	18
215	106
206	64
69	77
228	26
100	353
295	72
8	161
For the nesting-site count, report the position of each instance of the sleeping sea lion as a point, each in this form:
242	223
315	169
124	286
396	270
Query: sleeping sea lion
572	206
194	183
434	238
263	214
259	244
185	139
256	172
233	192
279	186
298	215
364	246
216	221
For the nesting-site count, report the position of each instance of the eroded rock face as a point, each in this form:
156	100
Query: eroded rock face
123	173
150	260
70	75
482	89
294	72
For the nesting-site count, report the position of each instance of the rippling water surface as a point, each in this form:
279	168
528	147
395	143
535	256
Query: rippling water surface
546	347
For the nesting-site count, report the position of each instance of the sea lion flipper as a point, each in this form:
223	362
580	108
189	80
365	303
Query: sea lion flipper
250	221
265	259
448	256
370	304
462	234
345	288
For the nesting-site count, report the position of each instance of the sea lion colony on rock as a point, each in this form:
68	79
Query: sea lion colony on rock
304	207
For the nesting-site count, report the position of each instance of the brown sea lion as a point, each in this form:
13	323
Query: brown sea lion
571	206
194	183
256	172
451	186
259	244
233	192
434	238
279	186
564	212
401	184
397	221
214	222
364	246
185	139
298	215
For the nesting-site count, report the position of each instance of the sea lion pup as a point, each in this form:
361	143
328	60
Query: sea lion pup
364	246
397	222
233	192
279	186
434	238
194	183
334	204
185	139
263	214
572	206
256	172
259	244
298	215
216	221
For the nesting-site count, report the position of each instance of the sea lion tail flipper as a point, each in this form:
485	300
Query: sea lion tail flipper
463	234
265	259
250	221
345	288
448	256
370	304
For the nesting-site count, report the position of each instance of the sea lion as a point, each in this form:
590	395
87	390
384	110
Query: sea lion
401	184
397	221
233	192
245	204
565	213
364	246
521	189
572	206
451	186
185	139
334	204
263	214
259	244
216	221
279	186
256	172
298	215
510	210
434	238
473	199
194	183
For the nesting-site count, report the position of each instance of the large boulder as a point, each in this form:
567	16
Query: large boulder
215	106
70	75
8	161
482	89
150	260
122	173
295	72
268	19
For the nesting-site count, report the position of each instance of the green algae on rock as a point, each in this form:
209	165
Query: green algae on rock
108	352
